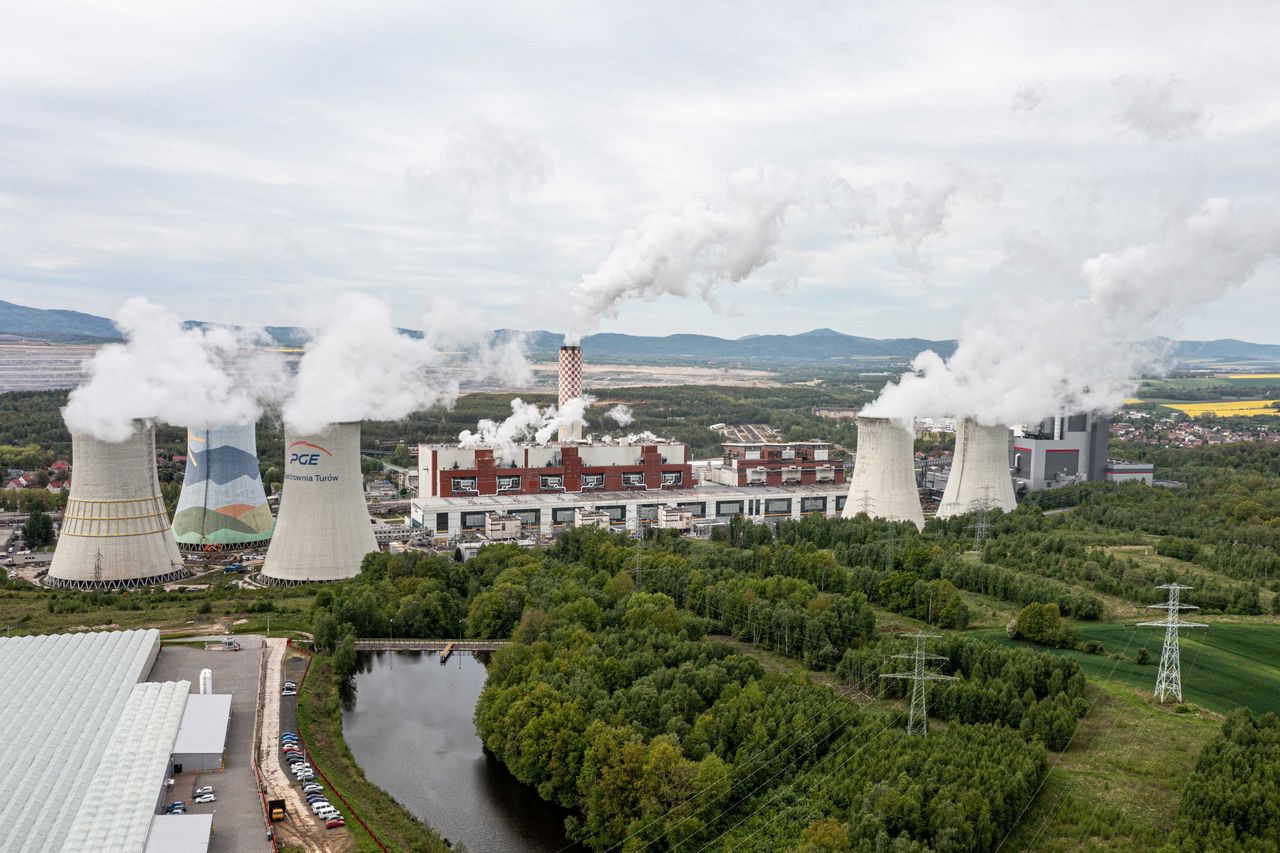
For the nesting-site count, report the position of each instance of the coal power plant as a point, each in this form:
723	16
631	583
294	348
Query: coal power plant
323	529
115	529
884	483
223	504
979	478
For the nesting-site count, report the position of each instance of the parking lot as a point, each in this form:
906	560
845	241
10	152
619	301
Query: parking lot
238	823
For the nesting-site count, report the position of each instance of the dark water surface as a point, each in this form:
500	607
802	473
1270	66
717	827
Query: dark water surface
409	727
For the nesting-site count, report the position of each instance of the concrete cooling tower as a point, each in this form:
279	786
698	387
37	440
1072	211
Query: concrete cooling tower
570	388
979	472
222	504
115	529
884	481
323	529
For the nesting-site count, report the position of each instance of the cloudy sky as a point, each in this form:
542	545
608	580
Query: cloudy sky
904	163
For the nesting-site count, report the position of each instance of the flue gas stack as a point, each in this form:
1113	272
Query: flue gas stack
570	386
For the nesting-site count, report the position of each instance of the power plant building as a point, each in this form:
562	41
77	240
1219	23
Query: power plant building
789	463
323	530
884	484
980	477
223	504
115	528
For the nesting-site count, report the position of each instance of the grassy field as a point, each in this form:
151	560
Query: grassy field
1225	666
1117	786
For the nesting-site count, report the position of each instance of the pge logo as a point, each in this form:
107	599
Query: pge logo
302	457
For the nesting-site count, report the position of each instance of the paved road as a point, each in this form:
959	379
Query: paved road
238	824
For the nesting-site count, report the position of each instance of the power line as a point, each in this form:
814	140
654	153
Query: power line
918	718
1169	679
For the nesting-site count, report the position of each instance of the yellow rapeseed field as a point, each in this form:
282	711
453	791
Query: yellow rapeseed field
1253	375
1232	408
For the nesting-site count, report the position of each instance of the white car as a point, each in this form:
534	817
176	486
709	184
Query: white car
207	789
205	798
320	806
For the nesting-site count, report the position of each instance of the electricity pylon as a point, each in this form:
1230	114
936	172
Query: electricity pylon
980	507
918	718
1169	679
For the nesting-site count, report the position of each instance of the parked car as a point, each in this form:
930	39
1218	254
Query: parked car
288	734
326	814
177	811
207	789
205	798
312	788
305	776
319	806
334	823
176	804
288	692
287	748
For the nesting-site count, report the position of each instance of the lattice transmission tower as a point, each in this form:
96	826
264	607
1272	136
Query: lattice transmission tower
1169	679
981	509
918	718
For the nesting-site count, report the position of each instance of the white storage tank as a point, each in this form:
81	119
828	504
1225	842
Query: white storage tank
206	681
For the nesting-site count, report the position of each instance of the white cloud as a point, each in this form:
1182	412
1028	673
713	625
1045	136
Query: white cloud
1159	109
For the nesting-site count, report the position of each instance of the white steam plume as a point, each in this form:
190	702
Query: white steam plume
1045	357
526	423
360	366
169	373
621	414
1158	109
701	247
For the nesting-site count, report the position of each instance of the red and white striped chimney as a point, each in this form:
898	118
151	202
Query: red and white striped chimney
570	387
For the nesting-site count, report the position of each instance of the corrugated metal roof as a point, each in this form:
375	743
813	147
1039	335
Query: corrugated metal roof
115	816
188	833
204	725
61	697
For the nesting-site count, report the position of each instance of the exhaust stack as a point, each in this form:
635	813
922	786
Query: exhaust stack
570	387
115	529
884	483
979	476
323	530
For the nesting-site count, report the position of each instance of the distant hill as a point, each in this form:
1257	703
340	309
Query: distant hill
41	324
818	345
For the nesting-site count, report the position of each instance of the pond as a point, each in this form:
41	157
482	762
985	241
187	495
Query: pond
409	727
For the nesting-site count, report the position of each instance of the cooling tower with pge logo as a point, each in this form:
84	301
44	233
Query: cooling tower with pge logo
323	530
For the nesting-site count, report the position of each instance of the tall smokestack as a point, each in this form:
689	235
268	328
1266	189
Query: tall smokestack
323	530
222	501
884	483
570	387
979	472
115	529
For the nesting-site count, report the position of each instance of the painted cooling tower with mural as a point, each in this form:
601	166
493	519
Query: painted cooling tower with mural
222	500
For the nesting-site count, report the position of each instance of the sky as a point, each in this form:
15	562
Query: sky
252	162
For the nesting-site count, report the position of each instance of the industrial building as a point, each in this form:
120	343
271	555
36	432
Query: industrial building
446	471
223	504
115	528
883	484
323	530
545	514
1060	451
790	463
90	743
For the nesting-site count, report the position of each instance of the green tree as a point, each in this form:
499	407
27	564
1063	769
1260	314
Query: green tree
38	531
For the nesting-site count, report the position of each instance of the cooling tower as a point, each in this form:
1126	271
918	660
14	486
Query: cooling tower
570	387
979	472
323	529
222	503
884	480
115	529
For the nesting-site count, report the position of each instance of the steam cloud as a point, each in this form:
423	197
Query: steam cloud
358	366
487	164
169	373
621	414
526	423
1048	357
1158	109
702	247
